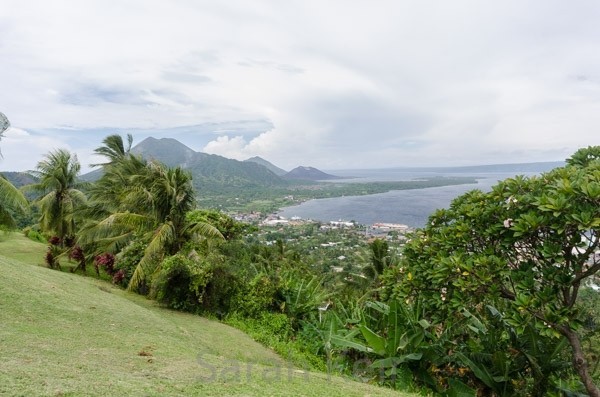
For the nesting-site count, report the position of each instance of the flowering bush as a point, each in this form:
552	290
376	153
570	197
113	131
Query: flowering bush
106	260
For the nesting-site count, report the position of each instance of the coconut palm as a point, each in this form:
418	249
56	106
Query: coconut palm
114	149
169	196
58	185
11	200
376	260
157	203
139	199
108	196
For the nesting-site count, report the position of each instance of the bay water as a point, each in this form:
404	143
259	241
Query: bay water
408	207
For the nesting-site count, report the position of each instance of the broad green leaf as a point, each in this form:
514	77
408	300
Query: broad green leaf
376	342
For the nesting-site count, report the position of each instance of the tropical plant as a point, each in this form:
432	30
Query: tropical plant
508	363
145	200
395	337
169	196
181	283
114	150
11	201
530	242
61	197
301	296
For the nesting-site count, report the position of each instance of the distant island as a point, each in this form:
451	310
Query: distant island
310	174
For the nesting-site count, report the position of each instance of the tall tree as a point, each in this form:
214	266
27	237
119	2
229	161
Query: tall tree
532	243
61	197
169	196
380	259
11	200
146	200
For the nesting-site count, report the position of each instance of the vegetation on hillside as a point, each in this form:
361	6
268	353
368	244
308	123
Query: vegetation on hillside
485	300
64	335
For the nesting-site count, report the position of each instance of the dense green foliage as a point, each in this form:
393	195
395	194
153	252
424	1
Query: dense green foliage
12	203
485	300
64	335
520	253
61	196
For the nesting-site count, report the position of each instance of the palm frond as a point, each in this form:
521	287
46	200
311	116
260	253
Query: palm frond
146	267
6	218
162	238
11	197
206	230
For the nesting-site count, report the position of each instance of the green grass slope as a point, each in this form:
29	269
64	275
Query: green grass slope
67	335
16	246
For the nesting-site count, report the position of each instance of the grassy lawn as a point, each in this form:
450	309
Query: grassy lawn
16	246
67	335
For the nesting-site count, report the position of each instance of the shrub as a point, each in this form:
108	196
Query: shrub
255	297
34	235
107	261
220	290
127	260
181	283
275	330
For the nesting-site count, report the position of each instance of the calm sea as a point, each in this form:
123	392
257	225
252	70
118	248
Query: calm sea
409	207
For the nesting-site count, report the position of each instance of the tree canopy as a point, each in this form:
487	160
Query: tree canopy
531	242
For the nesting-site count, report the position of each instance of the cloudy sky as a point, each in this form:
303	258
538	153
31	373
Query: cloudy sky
332	84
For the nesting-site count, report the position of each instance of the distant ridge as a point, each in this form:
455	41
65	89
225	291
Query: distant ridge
270	166
210	172
309	173
166	150
512	167
19	179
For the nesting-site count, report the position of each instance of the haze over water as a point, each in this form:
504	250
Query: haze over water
409	207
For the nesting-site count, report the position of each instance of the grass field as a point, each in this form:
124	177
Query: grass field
67	335
16	246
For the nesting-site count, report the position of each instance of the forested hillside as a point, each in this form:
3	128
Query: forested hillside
497	295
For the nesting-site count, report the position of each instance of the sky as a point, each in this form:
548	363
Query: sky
331	84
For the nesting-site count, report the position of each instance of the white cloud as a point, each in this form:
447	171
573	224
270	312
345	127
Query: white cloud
228	147
23	150
379	84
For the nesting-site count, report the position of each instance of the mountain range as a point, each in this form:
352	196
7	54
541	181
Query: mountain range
273	168
216	173
212	172
209	171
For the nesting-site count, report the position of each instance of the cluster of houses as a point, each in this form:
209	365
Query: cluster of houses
374	230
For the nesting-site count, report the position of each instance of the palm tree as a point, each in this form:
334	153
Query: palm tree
169	196
150	201
11	200
375	260
107	196
57	175
114	149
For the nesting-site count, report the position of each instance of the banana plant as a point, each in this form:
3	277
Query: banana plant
392	336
